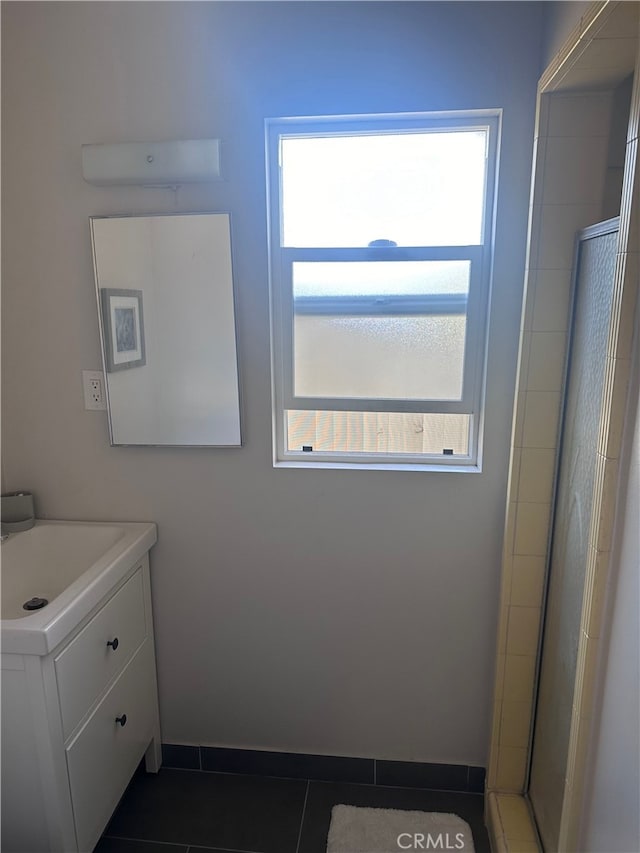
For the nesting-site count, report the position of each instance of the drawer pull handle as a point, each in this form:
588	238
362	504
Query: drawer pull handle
113	643
122	720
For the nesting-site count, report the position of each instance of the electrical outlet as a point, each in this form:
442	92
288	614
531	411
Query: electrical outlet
93	388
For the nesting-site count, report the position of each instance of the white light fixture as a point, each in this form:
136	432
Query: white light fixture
159	164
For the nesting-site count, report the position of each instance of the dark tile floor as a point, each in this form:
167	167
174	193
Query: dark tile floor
186	811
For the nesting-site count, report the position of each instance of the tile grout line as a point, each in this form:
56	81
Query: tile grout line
148	841
332	781
187	847
304	808
466	788
195	847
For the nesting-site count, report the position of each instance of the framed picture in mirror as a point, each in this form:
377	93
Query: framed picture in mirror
124	328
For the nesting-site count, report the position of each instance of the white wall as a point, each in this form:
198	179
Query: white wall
560	19
322	611
612	822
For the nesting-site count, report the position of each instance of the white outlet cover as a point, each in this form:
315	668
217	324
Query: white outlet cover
93	390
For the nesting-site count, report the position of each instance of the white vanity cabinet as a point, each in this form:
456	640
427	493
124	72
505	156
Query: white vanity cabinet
77	721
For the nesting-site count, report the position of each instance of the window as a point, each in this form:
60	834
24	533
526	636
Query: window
380	237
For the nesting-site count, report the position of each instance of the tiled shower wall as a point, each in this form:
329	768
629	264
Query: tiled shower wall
571	162
617	148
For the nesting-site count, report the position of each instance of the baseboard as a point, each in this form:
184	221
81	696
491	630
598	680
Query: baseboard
325	768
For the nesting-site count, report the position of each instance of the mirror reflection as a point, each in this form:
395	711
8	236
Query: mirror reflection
165	302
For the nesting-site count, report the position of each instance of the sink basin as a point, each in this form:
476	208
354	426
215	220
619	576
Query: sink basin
71	564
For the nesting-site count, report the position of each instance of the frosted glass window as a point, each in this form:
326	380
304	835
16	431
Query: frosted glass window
380	278
380	234
415	188
380	330
394	358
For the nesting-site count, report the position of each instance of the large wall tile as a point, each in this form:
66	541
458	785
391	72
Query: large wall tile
579	115
552	302
559	226
527	580
519	673
537	467
532	524
542	412
512	763
575	170
524	624
546	361
515	723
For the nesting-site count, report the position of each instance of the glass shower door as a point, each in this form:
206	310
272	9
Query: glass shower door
593	296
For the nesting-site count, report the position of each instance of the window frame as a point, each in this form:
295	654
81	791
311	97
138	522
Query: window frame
282	258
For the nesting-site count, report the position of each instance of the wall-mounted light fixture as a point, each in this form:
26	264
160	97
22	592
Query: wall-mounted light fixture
159	164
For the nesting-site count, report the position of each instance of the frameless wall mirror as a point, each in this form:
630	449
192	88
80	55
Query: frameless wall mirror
165	304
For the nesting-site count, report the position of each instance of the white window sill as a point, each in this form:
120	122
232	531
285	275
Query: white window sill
380	466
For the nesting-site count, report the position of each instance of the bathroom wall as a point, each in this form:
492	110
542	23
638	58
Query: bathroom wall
344	612
560	20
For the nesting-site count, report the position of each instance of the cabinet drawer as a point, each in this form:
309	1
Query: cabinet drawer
87	665
104	755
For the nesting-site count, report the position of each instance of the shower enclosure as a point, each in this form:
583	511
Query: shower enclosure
571	530
553	626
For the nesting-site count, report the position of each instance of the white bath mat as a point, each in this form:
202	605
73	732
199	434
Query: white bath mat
363	830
